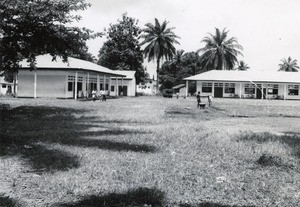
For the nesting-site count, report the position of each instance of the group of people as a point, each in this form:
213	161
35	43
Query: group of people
102	95
198	97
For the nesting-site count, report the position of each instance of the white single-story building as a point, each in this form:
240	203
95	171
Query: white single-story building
148	88
6	87
124	86
55	78
248	84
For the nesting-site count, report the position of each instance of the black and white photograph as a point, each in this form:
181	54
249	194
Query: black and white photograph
158	103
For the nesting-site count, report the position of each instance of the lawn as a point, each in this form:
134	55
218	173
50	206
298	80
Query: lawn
149	151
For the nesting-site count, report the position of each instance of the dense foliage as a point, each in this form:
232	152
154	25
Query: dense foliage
159	41
219	52
181	66
122	51
30	28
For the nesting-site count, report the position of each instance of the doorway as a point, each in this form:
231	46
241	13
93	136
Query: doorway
218	92
123	90
259	94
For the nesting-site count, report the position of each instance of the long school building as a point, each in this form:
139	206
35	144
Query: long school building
73	79
248	84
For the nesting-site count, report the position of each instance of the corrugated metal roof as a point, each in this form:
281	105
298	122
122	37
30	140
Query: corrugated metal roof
128	73
247	76
179	86
45	62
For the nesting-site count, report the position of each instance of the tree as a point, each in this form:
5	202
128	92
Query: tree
242	66
173	72
288	65
122	51
220	52
30	28
160	42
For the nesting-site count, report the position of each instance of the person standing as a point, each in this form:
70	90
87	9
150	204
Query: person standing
94	95
103	95
198	99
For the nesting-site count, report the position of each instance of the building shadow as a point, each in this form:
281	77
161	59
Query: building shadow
7	202
140	197
209	204
290	139
28	130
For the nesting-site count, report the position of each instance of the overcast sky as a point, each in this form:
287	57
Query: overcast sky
269	30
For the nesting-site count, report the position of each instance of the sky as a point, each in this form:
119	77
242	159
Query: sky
268	30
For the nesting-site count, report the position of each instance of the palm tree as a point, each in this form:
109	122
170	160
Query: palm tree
177	59
219	52
242	66
159	40
288	65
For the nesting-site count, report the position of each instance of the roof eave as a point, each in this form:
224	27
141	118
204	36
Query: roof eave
75	69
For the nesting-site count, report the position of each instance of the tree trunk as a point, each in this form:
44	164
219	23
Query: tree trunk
15	84
157	75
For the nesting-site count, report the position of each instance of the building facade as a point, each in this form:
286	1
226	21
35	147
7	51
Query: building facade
123	86
148	88
73	79
6	88
248	84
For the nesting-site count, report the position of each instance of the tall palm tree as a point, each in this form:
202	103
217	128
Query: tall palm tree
220	52
160	42
288	65
242	66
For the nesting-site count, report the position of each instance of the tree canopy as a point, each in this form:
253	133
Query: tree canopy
288	65
29	28
122	51
159	41
220	52
181	66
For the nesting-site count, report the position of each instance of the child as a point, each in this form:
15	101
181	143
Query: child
198	99
209	97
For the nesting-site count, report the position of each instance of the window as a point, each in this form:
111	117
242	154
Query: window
79	86
112	88
229	88
206	87
3	86
293	90
94	86
249	89
101	86
272	89
71	78
218	85
70	86
106	86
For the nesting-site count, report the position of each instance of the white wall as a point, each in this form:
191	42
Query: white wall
49	84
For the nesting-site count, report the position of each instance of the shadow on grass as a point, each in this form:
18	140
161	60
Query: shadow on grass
23	129
208	204
291	139
139	197
7	202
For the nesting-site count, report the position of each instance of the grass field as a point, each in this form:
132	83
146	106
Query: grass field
149	151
